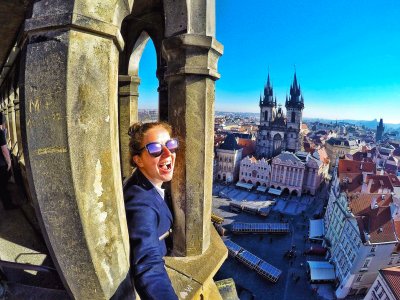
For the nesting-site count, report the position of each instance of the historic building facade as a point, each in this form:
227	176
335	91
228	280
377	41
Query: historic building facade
337	147
361	225
294	173
386	285
229	155
255	171
379	131
279	132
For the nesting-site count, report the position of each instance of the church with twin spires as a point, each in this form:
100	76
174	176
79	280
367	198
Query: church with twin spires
278	132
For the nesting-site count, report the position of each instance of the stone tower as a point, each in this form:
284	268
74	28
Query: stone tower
294	112
379	131
267	105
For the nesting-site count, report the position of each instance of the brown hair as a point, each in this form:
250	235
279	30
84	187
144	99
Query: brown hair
137	132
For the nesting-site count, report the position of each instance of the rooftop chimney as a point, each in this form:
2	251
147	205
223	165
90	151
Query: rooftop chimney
374	205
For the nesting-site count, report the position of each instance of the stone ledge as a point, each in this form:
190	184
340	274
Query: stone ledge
192	276
78	22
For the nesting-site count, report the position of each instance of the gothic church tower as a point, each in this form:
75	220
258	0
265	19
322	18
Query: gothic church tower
267	105
279	132
294	112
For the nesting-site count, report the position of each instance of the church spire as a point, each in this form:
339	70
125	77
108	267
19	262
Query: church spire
296	99
268	94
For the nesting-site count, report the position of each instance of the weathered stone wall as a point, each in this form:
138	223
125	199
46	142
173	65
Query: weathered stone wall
75	101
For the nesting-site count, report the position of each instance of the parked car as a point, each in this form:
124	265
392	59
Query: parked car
316	250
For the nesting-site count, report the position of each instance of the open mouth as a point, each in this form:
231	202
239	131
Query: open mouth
166	166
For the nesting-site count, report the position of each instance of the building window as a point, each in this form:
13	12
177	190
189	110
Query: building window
367	262
359	277
378	285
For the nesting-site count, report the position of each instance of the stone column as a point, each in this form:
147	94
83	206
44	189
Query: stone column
128	114
70	138
18	126
192	70
162	95
12	128
7	116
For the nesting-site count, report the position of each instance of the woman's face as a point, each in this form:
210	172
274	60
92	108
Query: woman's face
156	169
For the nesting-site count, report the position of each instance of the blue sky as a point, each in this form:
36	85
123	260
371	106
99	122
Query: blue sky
346	55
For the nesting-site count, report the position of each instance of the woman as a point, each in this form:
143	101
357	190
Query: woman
152	152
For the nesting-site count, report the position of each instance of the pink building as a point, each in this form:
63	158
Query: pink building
294	173
253	171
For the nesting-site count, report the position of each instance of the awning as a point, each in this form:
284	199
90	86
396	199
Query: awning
275	191
321	271
261	188
316	228
248	186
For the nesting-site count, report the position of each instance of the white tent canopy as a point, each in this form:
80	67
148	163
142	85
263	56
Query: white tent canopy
261	188
316	229
275	191
321	271
248	186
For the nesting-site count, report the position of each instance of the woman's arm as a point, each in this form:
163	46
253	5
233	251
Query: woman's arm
147	264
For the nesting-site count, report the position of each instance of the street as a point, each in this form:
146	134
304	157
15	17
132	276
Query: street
293	283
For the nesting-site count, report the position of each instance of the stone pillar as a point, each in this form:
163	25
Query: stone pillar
192	70
7	116
70	135
17	125
12	128
128	114
162	95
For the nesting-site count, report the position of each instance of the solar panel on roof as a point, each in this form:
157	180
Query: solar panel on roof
232	247
260	227
260	266
248	258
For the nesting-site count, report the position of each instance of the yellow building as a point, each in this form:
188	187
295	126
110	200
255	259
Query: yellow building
337	147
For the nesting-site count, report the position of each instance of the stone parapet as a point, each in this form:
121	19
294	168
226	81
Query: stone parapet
192	277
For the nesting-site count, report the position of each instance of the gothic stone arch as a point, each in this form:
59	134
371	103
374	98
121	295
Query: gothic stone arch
69	80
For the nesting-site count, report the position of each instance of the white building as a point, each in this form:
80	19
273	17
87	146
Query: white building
229	155
386	286
256	172
362	228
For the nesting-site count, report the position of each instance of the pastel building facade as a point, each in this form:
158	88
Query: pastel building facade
362	227
228	157
255	171
338	147
293	173
386	286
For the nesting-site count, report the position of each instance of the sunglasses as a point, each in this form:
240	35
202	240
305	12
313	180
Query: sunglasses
155	149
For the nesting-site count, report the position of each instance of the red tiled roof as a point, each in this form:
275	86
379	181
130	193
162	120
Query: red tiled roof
391	169
394	180
392	278
397	229
379	182
351	182
362	156
249	146
352	166
376	222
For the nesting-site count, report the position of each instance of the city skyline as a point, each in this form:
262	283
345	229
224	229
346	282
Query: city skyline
344	55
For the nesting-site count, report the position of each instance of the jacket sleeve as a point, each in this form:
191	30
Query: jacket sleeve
147	264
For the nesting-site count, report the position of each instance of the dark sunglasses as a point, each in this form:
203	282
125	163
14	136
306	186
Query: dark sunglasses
155	149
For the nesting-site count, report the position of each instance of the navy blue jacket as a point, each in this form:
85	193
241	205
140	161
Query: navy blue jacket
148	218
